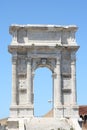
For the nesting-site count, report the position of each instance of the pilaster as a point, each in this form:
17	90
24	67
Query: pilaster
14	80
73	78
29	97
57	82
32	88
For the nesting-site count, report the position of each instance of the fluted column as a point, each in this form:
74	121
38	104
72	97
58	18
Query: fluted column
29	97
32	88
57	82
14	80
73	78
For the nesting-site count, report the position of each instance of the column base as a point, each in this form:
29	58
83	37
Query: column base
22	111
39	123
66	111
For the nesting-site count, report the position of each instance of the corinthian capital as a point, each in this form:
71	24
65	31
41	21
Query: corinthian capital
73	56
14	58
28	59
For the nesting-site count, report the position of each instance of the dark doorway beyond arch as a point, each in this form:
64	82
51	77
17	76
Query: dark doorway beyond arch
43	90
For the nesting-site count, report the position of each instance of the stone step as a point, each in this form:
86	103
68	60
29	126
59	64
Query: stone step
75	124
46	124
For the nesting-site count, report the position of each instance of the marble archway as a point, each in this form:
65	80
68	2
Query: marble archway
38	46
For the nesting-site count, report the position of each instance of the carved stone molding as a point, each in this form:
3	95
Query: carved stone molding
21	66
43	34
45	62
14	60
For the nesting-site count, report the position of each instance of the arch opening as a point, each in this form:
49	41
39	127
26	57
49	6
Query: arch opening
43	92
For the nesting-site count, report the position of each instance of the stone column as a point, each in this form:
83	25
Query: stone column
29	97
57	83
14	80
73	77
32	88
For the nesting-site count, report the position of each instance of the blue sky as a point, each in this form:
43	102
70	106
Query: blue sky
60	12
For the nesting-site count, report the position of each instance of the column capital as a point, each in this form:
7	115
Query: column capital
73	56
28	59
14	60
58	60
14	57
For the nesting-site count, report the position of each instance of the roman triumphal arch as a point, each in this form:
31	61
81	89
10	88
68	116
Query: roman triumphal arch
50	46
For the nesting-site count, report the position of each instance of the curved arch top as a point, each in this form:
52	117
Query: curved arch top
43	62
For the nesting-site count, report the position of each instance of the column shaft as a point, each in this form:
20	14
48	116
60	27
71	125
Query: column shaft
73	81
57	84
29	98
32	88
14	82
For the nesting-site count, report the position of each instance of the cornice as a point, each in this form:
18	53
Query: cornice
24	49
39	27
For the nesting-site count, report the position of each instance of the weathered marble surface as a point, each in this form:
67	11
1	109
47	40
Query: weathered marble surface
49	46
43	34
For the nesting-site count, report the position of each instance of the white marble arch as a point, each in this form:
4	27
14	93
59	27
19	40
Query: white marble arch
51	46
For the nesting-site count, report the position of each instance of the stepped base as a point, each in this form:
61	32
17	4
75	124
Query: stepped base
42	124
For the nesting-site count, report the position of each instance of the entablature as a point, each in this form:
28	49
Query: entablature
22	49
42	35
